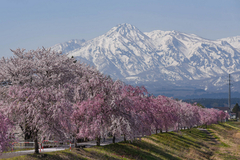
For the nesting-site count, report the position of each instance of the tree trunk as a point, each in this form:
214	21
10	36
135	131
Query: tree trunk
156	130
114	138
161	130
75	142
75	139
124	138
98	141
36	145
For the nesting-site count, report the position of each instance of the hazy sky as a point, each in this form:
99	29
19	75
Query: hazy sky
34	23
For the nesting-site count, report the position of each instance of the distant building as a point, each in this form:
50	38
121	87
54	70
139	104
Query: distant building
233	115
225	109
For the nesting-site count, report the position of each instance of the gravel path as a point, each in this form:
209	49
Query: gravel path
19	153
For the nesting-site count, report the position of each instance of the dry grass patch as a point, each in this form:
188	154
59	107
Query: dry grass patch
237	135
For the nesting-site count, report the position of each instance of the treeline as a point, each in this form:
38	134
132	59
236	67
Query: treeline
52	96
210	102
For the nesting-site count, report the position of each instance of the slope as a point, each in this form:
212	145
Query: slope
218	141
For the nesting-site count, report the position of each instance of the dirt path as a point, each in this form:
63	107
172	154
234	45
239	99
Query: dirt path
212	138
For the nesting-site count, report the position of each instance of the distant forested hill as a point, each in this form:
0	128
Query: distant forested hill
210	103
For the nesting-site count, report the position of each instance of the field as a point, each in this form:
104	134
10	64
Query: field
218	141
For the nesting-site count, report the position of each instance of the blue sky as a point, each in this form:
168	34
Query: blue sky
31	24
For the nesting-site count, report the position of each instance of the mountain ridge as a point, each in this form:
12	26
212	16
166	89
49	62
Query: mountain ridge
160	57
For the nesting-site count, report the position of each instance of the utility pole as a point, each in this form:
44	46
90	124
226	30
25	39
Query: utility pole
229	93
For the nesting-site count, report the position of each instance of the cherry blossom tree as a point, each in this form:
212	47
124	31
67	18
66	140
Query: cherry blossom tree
39	91
45	111
138	117
90	118
188	115
166	113
93	117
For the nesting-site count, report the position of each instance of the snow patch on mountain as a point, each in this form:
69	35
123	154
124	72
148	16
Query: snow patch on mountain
68	46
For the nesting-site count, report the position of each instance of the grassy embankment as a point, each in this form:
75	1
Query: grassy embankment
219	141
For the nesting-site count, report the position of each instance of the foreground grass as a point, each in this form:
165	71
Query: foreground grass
219	141
23	149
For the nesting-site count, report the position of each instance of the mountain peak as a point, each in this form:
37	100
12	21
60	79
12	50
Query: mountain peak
126	30
126	26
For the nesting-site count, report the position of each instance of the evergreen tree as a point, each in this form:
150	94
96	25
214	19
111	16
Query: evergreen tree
200	105
236	109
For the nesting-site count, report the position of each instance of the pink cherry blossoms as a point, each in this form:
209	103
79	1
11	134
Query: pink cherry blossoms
5	128
51	96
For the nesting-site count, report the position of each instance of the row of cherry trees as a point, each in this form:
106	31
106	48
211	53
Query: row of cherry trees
52	96
134	114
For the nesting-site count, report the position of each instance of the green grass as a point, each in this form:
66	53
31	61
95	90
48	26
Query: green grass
58	155
219	141
224	144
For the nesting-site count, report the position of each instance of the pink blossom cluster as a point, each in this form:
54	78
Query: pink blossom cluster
5	128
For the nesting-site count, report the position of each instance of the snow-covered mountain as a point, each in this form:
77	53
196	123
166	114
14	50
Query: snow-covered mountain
160	58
